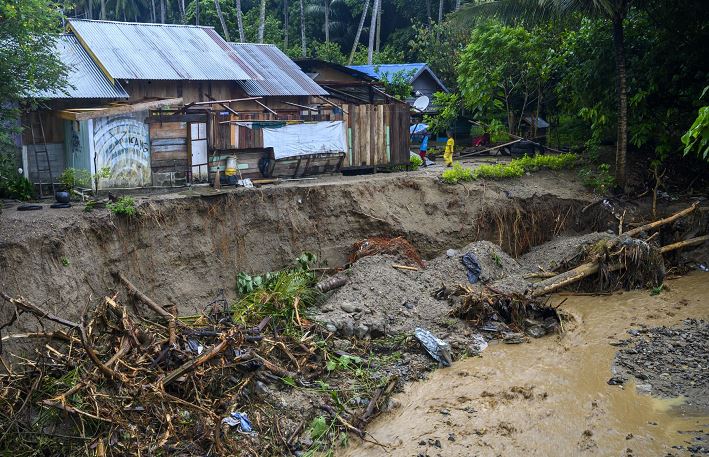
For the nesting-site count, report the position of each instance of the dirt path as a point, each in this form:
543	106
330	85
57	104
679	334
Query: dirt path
550	397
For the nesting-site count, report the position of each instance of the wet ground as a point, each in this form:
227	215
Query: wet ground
551	397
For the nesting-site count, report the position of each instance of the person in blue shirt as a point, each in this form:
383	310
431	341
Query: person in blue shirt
423	148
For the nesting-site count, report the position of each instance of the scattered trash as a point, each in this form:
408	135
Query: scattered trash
703	267
473	266
513	338
478	344
238	420
245	183
436	347
195	346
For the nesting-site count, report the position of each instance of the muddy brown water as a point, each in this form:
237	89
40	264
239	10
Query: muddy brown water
549	397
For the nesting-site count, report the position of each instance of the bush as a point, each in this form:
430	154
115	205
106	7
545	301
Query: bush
12	183
457	174
514	169
125	206
75	177
416	162
598	178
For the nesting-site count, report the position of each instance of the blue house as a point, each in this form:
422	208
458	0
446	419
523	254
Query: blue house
420	76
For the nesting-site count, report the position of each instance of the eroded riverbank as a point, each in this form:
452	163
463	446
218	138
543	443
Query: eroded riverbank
550	397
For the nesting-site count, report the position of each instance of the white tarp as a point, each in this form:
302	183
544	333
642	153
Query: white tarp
303	139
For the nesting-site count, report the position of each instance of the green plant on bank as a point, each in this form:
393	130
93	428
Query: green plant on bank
283	295
90	206
71	178
513	169
125	206
12	183
498	260
598	178
415	162
65	261
697	137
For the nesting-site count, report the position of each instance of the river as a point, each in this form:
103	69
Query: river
549	397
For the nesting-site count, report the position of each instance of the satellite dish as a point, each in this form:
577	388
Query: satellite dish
422	103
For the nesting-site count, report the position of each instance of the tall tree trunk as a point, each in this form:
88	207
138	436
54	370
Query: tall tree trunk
103	10
240	21
303	43
372	31
428	13
183	11
327	21
379	26
153	12
440	11
221	19
359	32
196	12
89	9
261	20
622	90
457	5
286	20
162	11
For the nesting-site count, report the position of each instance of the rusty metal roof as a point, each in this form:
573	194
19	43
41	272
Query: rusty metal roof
281	76
128	50
84	78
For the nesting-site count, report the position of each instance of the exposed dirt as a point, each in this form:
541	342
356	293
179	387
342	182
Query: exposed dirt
184	249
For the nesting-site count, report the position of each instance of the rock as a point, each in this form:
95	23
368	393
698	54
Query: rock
536	331
331	327
361	331
451	253
348	307
616	381
347	328
643	388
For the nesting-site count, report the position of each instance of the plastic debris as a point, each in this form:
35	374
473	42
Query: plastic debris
703	267
436	347
195	346
245	183
238	420
451	253
473	266
478	344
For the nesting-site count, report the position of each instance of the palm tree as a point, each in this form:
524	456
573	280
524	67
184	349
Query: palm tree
303	44
373	30
613	10
240	21
196	12
103	10
359	32
261	20
440	11
221	19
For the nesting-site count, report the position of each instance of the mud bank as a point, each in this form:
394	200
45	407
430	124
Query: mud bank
552	397
183	249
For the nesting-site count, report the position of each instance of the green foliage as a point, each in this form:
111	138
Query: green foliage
387	54
90	206
457	174
283	295
449	108
598	178
415	162
65	261
125	206
342	362
13	184
71	178
29	63
397	84
513	169
439	46
697	137
329	52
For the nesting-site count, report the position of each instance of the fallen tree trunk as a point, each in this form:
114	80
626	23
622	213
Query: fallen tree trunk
142	297
587	269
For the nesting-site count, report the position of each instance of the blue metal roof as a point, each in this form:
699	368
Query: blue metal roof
281	76
128	50
387	71
84	77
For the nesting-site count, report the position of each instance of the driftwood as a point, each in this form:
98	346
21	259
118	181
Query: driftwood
26	305
587	269
142	297
329	284
194	363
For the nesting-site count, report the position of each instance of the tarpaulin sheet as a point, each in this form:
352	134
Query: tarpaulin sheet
304	139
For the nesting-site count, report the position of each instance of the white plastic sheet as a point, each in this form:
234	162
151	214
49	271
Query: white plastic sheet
302	139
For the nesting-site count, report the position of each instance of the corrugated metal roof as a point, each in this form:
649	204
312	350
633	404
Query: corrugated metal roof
281	76
389	70
128	50
85	79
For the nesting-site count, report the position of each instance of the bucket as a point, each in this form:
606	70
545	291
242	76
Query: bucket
230	166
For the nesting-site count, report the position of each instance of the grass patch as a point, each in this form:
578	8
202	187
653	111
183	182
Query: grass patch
513	169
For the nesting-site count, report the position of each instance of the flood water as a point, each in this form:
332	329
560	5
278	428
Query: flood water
549	397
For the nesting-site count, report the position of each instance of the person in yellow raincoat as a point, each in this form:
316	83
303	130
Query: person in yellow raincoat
448	153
